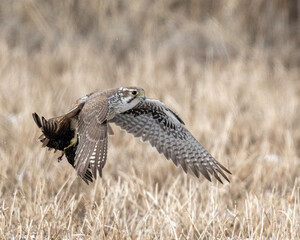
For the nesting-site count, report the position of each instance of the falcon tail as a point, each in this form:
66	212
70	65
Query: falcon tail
59	139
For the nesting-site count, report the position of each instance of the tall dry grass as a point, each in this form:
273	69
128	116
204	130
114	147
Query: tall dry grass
229	68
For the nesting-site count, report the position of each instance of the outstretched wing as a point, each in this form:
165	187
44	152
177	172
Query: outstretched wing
153	121
92	129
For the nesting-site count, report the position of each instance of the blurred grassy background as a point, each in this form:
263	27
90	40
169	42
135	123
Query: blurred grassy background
229	68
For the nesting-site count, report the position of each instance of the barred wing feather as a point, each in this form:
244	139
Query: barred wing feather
151	120
92	129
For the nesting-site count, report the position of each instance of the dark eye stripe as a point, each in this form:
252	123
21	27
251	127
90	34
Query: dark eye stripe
130	100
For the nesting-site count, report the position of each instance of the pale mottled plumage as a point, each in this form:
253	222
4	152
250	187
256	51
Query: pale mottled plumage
148	119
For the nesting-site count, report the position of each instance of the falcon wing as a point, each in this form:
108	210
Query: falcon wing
92	129
151	120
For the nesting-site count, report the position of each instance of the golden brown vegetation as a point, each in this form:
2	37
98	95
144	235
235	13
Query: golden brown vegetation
229	68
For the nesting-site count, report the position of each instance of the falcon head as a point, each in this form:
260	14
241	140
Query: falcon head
126	98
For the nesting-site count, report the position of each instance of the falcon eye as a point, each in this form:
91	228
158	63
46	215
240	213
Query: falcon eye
134	93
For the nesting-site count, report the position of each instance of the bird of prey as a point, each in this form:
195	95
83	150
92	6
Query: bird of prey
82	133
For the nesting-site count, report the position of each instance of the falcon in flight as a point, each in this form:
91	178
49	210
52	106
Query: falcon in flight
82	133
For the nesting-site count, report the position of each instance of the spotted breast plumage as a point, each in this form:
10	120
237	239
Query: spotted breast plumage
82	133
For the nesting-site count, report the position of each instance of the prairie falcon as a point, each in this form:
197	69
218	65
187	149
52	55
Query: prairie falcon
82	133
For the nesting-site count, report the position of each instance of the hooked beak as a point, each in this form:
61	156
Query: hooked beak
142	96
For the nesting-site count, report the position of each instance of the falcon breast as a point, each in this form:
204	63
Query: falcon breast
82	133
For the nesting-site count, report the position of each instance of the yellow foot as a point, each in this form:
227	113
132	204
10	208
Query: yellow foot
73	141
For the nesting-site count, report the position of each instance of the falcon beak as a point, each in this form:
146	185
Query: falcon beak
142	96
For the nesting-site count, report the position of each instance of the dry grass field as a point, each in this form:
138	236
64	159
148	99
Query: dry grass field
229	68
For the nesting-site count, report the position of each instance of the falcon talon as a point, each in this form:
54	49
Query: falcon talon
73	141
82	133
